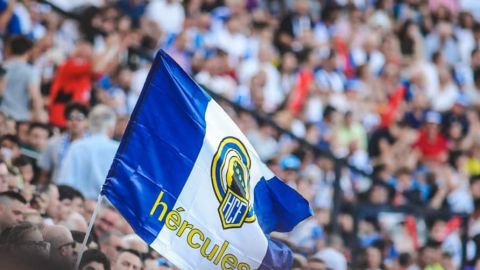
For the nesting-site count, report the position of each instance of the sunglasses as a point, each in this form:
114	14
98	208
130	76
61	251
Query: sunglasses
76	117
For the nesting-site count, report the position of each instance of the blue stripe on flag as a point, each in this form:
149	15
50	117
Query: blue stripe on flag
278	207
278	257
160	146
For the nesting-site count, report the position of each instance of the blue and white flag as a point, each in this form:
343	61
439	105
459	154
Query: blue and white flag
192	186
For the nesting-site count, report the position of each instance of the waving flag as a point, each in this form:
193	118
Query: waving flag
192	186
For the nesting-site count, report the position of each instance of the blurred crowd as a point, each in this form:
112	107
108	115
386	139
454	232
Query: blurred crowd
389	87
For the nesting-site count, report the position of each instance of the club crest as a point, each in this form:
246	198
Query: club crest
231	182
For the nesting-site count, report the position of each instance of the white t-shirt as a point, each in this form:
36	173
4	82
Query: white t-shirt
375	63
169	16
332	81
460	199
444	100
272	91
466	43
235	44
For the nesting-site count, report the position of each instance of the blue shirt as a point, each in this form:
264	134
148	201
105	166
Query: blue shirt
86	164
52	156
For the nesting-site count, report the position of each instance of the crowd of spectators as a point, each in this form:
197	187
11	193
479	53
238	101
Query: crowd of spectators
390	87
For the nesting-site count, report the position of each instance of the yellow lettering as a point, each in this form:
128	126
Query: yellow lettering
203	250
229	262
173	216
190	238
243	266
222	251
157	203
173	221
185	225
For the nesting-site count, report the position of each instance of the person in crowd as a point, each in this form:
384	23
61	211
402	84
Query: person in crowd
61	244
431	143
71	201
26	169
332	254
294	26
38	134
369	109
94	259
106	221
314	263
22	83
10	147
134	242
12	206
290	166
24	237
431	255
78	237
88	160
52	203
51	158
14	260
110	243
3	177
128	260
73	80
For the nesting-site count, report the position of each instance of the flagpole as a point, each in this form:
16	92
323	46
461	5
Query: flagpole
98	207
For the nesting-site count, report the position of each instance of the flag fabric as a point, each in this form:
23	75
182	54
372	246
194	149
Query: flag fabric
192	186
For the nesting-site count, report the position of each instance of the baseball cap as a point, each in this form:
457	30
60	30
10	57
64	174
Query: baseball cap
290	162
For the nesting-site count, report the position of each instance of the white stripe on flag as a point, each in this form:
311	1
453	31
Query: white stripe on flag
248	243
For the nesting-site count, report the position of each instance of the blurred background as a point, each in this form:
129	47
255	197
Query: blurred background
368	108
